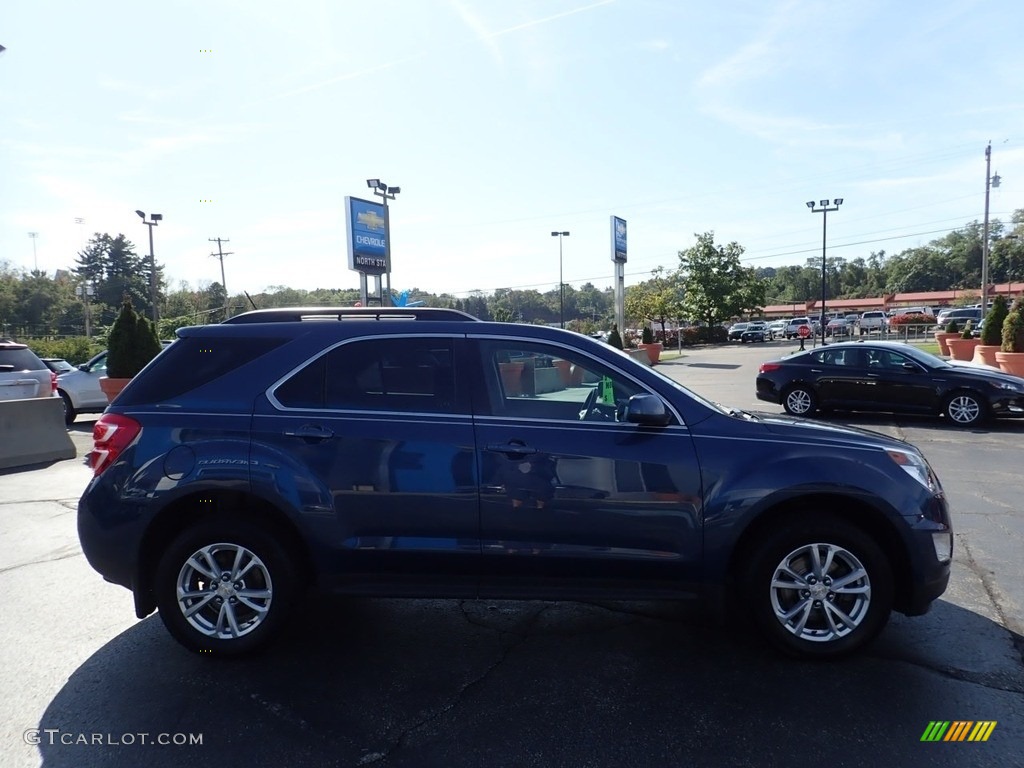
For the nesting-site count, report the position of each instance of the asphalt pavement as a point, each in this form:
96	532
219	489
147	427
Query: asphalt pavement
491	683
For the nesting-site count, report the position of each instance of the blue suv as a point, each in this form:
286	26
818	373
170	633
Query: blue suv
423	453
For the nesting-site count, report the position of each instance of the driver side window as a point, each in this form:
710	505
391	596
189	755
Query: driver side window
537	381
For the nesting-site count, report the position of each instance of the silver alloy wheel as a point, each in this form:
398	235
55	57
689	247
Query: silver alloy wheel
963	409
224	591
820	592
798	401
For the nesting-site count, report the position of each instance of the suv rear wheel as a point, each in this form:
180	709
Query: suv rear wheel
819	587
224	586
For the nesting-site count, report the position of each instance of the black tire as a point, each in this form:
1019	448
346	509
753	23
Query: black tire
269	576
800	400
815	618
965	409
69	410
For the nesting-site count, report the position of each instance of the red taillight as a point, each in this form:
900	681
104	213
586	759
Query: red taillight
53	383
111	435
768	367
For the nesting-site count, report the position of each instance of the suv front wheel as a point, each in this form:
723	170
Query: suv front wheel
224	586
819	587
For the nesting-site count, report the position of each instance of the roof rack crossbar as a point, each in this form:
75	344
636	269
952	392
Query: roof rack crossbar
301	314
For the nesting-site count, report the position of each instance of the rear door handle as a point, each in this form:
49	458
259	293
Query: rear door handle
311	432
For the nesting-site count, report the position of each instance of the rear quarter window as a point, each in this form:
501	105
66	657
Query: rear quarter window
23	359
193	362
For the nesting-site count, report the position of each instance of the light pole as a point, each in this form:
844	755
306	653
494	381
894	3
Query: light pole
990	181
385	193
824	209
35	261
561	285
154	219
85	292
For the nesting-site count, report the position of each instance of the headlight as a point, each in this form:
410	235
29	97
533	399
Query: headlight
1007	386
914	465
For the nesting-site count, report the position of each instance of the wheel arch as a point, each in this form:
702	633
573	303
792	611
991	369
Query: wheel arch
208	504
868	519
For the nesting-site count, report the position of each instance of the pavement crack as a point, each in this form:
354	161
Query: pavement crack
41	561
987	584
521	636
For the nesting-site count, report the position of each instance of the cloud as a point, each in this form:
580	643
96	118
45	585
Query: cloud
656	45
470	18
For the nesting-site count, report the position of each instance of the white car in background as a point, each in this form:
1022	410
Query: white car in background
80	388
777	328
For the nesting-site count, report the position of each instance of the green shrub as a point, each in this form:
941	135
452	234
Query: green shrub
614	338
132	343
647	335
1013	329
74	349
992	333
968	331
952	327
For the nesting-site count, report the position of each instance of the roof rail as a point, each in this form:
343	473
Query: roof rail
301	314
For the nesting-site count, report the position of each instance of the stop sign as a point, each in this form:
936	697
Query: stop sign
805	331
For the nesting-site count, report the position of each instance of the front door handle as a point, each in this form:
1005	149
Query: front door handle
514	448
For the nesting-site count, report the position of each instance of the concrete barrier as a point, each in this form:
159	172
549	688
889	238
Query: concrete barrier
33	431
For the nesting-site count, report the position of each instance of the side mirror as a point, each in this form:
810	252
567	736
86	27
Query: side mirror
647	411
82	367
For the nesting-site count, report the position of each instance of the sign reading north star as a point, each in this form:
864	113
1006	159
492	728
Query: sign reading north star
618	240
367	225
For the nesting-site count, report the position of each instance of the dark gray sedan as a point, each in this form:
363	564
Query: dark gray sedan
889	377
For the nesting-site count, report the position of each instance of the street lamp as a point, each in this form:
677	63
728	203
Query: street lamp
561	285
385	193
824	209
154	219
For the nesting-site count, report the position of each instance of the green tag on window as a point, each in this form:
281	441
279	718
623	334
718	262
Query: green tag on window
607	391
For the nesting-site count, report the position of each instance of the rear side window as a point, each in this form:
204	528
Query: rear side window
193	362
20	359
413	375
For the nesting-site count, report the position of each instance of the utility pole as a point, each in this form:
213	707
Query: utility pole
220	255
990	181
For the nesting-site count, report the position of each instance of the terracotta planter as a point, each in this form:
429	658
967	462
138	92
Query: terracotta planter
564	371
576	376
512	378
943	338
985	354
112	387
653	351
962	349
1011	362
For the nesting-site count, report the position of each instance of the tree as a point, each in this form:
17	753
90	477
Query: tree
112	267
657	300
717	286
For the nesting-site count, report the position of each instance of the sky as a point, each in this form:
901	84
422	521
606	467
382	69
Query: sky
501	122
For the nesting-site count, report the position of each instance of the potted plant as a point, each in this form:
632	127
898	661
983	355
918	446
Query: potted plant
648	343
952	330
614	339
992	332
132	343
1011	353
962	348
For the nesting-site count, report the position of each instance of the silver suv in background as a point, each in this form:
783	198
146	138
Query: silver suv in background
793	327
873	320
22	374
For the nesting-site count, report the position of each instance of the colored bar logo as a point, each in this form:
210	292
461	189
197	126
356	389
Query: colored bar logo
958	730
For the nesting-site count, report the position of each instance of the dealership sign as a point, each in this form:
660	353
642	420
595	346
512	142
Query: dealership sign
618	240
367	226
